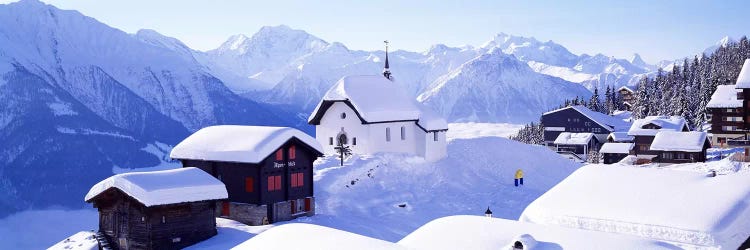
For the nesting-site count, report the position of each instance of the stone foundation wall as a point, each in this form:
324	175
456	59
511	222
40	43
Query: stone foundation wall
255	215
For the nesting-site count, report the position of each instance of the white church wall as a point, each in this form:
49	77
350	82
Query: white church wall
435	150
379	143
331	125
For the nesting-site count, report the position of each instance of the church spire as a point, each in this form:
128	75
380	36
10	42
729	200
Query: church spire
386	70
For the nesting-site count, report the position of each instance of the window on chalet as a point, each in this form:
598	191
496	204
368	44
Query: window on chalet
681	156
730	110
387	134
292	152
297	179
274	182
279	155
587	124
249	184
729	128
403	133
643	147
668	155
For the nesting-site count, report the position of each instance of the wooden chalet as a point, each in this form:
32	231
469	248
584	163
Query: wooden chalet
644	130
579	120
575	144
613	152
729	112
680	147
628	96
268	171
169	209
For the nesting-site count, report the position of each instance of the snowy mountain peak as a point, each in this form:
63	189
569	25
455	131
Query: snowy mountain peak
723	42
637	60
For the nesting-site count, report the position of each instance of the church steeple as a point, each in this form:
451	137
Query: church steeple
386	70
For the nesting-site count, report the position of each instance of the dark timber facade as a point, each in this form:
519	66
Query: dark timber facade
278	188
570	120
128	224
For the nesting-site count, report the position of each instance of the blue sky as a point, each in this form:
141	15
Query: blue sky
655	29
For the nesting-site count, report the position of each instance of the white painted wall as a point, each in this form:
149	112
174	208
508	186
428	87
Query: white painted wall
371	138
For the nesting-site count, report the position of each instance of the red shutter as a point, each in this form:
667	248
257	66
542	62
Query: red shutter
277	182
249	184
279	155
225	208
292	152
294	180
270	183
300	179
294	206
308	206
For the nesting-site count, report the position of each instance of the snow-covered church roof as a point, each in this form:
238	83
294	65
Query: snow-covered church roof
666	123
234	143
658	203
725	96
568	138
743	80
377	99
692	141
609	122
164	187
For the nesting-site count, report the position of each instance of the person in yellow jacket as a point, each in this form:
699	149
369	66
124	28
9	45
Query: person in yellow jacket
519	177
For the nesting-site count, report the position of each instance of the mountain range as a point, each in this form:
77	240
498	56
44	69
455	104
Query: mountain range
81	99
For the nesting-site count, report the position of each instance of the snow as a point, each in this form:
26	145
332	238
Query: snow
164	187
429	120
367	95
620	137
234	143
608	122
230	235
308	236
626	88
616	148
84	240
725	96
658	203
475	232
475	130
692	141
667	123
568	138
61	109
743	80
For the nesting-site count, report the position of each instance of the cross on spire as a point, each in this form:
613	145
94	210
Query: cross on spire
386	70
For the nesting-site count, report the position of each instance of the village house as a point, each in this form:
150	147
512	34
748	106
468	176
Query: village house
168	209
644	130
680	147
628	96
268	171
580	123
615	151
373	113
729	113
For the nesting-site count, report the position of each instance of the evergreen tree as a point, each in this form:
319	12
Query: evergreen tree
594	102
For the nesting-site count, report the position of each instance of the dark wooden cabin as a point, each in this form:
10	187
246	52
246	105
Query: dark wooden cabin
613	152
265	186
680	147
644	130
163	217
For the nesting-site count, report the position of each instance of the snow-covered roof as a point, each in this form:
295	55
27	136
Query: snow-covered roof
667	123
743	80
234	143
309	236
568	138
616	148
164	187
476	232
691	141
608	122
626	88
620	136
673	205
725	96
377	99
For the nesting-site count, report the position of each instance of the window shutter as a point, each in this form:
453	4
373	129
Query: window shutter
294	180
270	183
292	152
249	184
279	155
300	181
278	182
